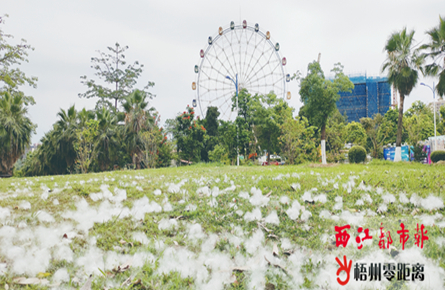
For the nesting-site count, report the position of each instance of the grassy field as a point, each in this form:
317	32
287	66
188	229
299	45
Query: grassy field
217	227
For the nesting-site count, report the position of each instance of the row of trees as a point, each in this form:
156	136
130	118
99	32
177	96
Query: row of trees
123	129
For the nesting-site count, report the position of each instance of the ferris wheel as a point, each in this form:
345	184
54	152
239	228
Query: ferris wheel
238	57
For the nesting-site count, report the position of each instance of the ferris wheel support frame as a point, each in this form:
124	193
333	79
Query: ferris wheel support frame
237	139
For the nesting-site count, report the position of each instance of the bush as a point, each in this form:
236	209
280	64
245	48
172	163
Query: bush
357	154
438	155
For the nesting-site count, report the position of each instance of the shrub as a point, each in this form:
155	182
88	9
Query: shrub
357	154
438	155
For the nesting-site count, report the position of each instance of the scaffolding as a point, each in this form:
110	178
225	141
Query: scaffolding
371	95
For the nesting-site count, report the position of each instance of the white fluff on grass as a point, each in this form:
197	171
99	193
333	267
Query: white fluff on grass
434	274
25	205
379	190
431	202
258	199
307	196
294	211
167	224
140	237
325	214
359	202
255	241
168	207
382	208
143	206
195	232
141	258
44	196
388	198
272	218
56	201
86	216
244	194
429	220
321	198
255	214
3	269
139	188
440	241
352	218
191	207
284	200
286	244
339	203
203	190
63	253
402	198
209	244
305	215
43	216
157	192
91	262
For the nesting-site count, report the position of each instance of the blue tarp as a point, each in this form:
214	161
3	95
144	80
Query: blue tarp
407	155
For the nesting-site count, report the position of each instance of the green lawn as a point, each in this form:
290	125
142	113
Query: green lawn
215	227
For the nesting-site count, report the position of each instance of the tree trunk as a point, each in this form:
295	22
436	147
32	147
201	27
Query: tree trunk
398	152
323	144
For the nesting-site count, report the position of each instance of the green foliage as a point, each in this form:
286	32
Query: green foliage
438	155
436	49
84	144
374	144
119	78
357	154
297	141
355	134
269	112
320	95
219	154
419	128
387	131
11	77
401	64
15	130
189	134
335	137
419	154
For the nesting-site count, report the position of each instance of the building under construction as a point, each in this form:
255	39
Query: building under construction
371	95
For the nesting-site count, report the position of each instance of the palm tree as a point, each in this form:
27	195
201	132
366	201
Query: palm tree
106	140
402	63
436	52
137	118
66	128
15	130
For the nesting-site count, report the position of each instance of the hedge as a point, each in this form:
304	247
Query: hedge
438	155
357	154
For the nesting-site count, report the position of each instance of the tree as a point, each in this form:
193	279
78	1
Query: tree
269	112
11	77
355	134
106	142
320	96
372	126
335	137
118	80
401	64
138	118
418	128
84	144
15	130
436	48
297	141
189	134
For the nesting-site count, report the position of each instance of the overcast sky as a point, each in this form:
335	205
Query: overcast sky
166	36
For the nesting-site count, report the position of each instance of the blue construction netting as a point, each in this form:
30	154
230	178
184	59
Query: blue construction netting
371	95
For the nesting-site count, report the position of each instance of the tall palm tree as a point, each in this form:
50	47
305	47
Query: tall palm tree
436	48
15	130
66	128
106	140
402	64
138	117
